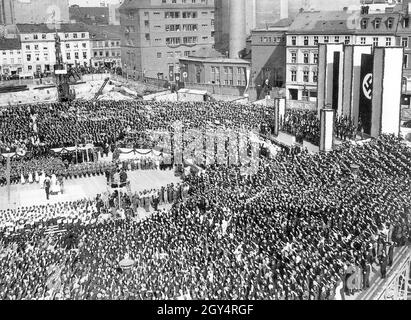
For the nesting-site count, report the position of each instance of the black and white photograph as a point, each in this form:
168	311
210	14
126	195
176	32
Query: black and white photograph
218	152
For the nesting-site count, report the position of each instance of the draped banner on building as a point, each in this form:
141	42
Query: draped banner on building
366	86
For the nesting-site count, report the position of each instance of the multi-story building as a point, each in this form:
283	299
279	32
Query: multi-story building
10	57
378	29
156	33
404	39
211	68
105	46
268	58
38	46
303	36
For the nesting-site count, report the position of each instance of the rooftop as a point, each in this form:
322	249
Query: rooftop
49	28
10	44
104	32
207	52
324	22
140	4
216	60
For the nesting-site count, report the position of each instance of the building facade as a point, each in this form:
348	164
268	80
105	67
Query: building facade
38	46
156	33
10	57
268	47
212	68
305	33
105	46
391	27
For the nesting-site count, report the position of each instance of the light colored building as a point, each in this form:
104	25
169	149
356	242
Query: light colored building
38	46
105	42
156	33
114	14
211	68
305	33
10	57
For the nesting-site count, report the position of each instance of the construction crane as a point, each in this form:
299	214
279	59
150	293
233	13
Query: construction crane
100	91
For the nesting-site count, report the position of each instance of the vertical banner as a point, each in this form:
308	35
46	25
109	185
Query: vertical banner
248	74
327	129
366	85
386	100
276	116
336	80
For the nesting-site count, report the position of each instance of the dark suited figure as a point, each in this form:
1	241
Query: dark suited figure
390	254
383	265
366	271
47	187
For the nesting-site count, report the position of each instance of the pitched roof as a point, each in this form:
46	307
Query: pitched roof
49	28
104	32
383	25
10	44
323	22
281	23
89	14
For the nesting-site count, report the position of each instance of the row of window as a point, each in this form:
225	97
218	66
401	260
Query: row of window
66	36
177	40
227	82
271	39
107	54
377	23
46	56
12	60
228	70
316	39
175	54
11	52
102	44
177	27
347	40
178	14
306	57
306	76
375	41
75	45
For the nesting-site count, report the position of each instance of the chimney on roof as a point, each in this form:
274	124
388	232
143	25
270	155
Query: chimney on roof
284	9
301	10
365	9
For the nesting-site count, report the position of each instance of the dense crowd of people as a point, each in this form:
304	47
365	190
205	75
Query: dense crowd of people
298	228
305	125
